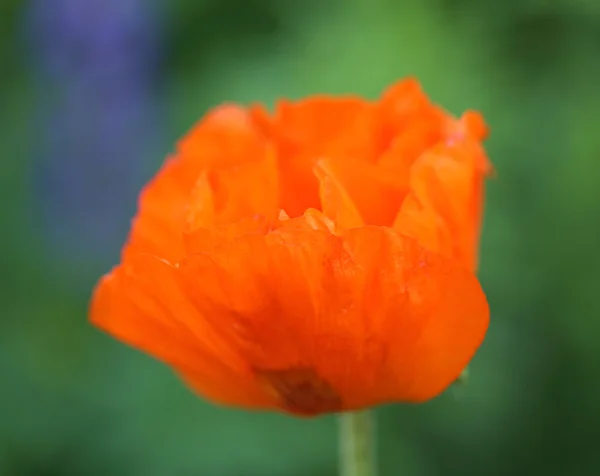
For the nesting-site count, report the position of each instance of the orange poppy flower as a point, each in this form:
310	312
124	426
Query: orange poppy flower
317	259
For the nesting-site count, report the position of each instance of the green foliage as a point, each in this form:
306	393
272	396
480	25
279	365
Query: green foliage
72	402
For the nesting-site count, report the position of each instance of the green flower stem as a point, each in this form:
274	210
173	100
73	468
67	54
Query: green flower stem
357	444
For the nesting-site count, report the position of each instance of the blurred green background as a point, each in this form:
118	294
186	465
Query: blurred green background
93	93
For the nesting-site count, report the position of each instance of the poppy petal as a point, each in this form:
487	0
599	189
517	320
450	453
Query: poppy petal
418	220
356	326
405	106
427	315
446	180
375	194
161	211
141	304
269	296
308	130
235	193
225	138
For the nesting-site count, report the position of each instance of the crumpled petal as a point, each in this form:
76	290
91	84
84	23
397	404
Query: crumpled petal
369	315
142	304
225	139
308	130
447	187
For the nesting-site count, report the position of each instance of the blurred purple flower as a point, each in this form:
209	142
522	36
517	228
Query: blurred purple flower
96	66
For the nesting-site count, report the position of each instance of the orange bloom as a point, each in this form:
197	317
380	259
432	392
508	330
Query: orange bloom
317	259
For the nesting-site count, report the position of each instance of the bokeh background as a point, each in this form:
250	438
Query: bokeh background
93	93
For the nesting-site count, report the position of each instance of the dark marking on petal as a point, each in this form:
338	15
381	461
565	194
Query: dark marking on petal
301	391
